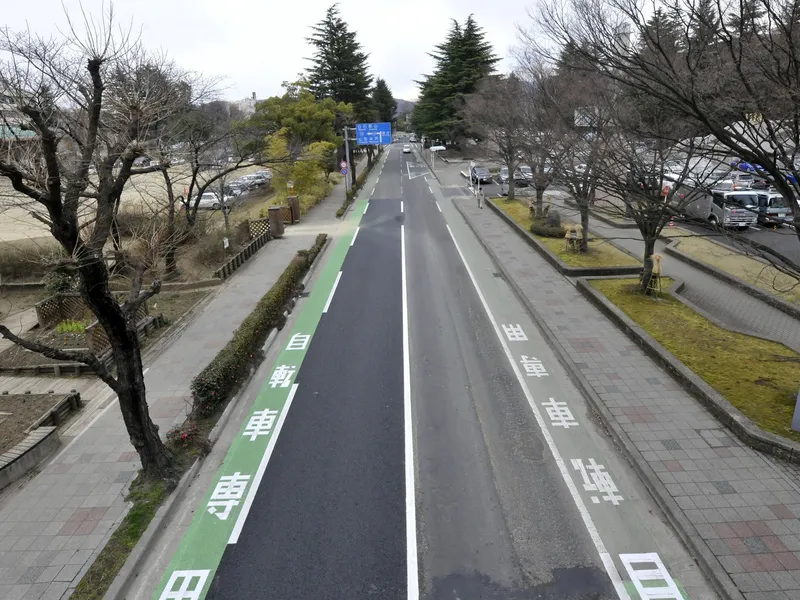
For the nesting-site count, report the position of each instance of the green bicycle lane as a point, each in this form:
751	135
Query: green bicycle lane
222	514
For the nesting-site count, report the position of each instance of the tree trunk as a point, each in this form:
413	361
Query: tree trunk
370	154
156	459
585	227
352	162
647	270
171	263
511	188
539	200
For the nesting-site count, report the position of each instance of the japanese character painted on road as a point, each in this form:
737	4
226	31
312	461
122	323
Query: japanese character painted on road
185	585
227	494
596	479
299	341
559	413
261	423
514	333
282	376
533	366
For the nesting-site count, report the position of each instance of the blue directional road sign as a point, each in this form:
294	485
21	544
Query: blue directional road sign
373	133
344	171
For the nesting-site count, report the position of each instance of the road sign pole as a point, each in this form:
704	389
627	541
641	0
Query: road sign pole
347	158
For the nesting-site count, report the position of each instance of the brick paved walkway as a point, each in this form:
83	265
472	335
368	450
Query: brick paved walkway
738	310
744	506
52	528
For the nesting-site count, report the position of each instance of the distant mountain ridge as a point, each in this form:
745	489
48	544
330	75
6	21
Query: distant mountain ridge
404	106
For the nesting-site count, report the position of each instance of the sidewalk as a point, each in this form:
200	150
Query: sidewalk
52	529
741	506
18	323
735	308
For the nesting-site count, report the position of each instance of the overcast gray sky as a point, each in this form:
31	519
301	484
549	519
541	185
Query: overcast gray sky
257	44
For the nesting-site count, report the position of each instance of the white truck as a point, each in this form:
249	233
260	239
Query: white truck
725	208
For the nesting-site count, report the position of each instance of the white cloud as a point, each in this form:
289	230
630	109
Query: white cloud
256	45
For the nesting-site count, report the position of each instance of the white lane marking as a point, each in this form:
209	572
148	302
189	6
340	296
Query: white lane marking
353	241
372	193
429	189
401	190
262	466
437	205
401	206
333	291
408	168
412	568
377	180
365	209
608	562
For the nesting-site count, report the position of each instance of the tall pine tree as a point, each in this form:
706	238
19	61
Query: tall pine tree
383	101
462	60
339	71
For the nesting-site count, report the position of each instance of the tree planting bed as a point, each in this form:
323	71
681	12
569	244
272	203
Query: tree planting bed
19	412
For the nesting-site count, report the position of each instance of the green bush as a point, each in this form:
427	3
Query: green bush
215	384
71	326
543	229
57	282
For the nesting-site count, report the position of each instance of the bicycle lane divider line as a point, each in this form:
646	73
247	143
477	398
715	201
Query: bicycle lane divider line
220	517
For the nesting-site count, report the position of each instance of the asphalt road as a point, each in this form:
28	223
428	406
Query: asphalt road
408	360
328	520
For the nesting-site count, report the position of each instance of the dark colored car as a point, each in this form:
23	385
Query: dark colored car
481	175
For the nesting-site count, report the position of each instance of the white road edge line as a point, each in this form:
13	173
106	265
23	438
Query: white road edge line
437	205
365	209
262	466
378	179
412	568
429	189
608	561
401	206
355	235
333	291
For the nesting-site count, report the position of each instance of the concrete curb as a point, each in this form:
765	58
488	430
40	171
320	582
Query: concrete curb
551	258
741	426
705	559
129	571
313	268
774	301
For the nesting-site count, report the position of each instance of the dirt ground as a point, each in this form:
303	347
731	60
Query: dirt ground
17	413
14	301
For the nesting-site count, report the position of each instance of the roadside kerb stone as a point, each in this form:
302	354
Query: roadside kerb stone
790	309
743	427
551	258
684	527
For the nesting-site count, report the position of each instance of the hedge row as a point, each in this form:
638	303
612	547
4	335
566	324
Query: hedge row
544	230
353	192
221	378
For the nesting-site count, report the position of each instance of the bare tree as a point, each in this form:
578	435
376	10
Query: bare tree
731	72
495	112
88	103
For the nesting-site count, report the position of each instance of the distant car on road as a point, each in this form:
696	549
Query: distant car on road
406	149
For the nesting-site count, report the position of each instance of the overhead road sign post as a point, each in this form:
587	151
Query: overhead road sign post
375	134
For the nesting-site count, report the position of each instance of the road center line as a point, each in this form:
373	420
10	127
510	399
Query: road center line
437	205
262	467
353	241
412	568
605	557
333	291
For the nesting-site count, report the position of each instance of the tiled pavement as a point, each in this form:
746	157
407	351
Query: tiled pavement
743	505
52	528
733	307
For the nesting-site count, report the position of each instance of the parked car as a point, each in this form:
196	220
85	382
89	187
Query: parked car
523	176
742	180
209	201
773	209
480	175
266	173
725	208
502	177
235	189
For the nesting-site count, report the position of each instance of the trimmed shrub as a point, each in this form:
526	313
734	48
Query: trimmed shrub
543	229
553	219
215	384
353	192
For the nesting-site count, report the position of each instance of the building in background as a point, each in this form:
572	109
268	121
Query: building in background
247	105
